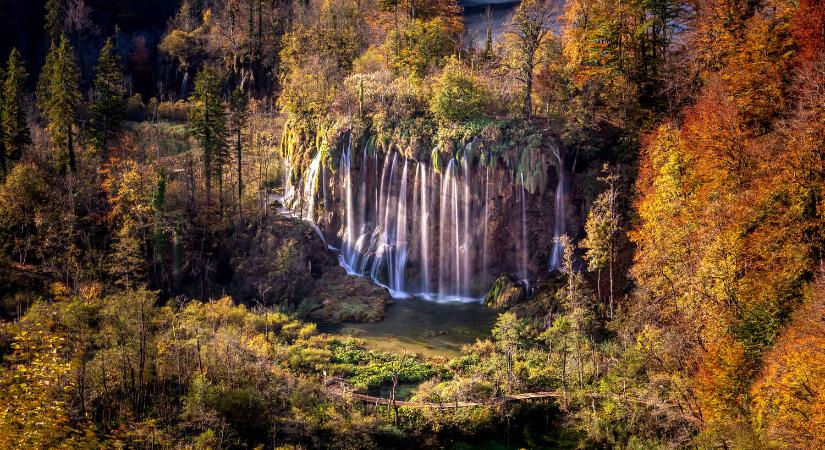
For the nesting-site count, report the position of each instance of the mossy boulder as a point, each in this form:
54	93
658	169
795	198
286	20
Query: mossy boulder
338	297
506	292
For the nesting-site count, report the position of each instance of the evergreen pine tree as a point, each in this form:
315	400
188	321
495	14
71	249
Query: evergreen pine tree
107	107
42	88
54	19
15	130
238	117
208	122
59	97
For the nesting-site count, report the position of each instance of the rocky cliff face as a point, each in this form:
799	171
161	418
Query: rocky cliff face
445	226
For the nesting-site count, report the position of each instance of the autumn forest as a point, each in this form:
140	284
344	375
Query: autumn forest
437	224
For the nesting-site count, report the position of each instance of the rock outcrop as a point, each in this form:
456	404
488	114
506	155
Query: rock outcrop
284	262
338	297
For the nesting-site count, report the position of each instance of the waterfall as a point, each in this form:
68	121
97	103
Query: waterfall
524	271
324	189
424	231
466	240
381	234
559	226
310	186
362	211
400	244
302	197
348	251
183	85
443	231
455	287
409	226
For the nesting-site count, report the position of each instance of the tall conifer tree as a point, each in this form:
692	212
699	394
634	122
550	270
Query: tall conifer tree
108	104
208	122
53	23
59	97
12	115
238	117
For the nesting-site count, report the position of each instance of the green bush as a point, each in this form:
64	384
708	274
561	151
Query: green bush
456	97
175	111
370	369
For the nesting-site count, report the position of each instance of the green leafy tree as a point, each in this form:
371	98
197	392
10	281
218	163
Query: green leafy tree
456	97
107	107
15	132
59	98
208	122
575	329
602	226
509	333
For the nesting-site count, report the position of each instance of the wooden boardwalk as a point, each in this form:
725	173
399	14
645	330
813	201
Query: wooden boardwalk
446	405
343	388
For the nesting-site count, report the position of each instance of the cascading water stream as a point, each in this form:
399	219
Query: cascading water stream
466	240
348	251
444	230
456	285
302	199
559	227
424	231
399	247
183	85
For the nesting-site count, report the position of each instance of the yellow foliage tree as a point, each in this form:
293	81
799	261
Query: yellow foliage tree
789	395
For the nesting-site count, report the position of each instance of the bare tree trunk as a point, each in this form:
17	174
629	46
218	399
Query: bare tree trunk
610	271
528	94
240	181
509	372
